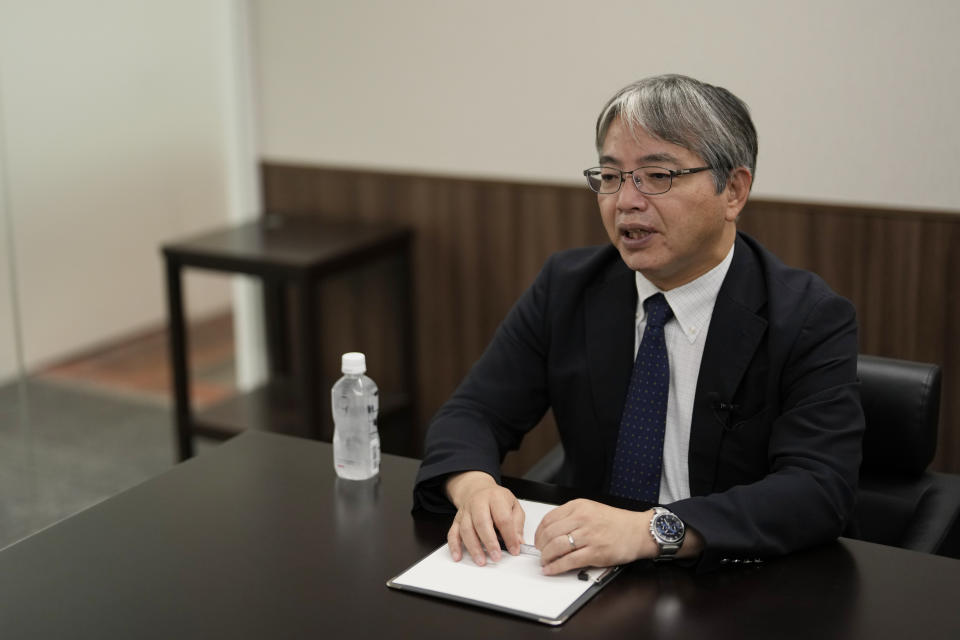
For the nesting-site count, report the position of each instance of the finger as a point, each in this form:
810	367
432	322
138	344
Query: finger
556	530
544	534
515	525
505	519
551	525
453	541
568	562
559	546
471	542
487	534
520	518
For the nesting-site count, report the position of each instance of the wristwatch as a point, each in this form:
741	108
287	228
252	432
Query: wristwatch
668	532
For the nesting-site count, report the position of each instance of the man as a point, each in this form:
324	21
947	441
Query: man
684	364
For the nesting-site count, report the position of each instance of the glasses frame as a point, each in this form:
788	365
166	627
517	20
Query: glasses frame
674	173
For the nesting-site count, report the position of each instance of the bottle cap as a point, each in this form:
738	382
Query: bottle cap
353	363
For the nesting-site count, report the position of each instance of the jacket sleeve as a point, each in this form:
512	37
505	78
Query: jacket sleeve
503	396
813	454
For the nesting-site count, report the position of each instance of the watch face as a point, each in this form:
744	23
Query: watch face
669	527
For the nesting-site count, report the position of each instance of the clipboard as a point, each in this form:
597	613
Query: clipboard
515	585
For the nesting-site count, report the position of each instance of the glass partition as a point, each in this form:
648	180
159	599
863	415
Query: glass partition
113	141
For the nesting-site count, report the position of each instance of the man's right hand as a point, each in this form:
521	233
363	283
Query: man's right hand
483	508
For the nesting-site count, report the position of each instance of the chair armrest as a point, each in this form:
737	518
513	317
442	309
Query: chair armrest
937	528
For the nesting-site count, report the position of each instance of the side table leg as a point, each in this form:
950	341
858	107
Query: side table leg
410	349
178	361
309	388
275	322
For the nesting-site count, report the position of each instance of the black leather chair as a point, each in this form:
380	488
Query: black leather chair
899	502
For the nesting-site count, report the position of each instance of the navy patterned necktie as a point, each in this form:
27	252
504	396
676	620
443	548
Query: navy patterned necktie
638	460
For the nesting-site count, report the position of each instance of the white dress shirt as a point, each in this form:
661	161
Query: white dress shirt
685	335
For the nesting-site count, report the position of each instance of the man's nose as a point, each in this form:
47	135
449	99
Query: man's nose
629	197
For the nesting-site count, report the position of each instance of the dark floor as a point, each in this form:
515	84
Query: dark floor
63	450
97	425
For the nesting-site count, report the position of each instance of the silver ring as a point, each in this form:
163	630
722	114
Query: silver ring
573	545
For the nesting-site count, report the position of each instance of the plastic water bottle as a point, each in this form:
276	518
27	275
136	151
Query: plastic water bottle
355	403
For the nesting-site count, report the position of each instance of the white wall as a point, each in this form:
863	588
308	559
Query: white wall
116	115
113	113
9	356
855	101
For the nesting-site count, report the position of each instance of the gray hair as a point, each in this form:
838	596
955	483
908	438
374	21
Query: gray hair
708	120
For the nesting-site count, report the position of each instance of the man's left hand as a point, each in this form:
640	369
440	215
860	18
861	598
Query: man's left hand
602	536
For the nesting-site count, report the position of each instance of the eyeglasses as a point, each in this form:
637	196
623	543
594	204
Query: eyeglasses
649	180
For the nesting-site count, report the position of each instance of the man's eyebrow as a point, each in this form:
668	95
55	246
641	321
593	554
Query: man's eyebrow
650	157
660	157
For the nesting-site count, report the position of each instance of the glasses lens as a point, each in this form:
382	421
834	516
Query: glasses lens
652	180
594	181
603	179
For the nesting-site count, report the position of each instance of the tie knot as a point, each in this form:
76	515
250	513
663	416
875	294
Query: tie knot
658	310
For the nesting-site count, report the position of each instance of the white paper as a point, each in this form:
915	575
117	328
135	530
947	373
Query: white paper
516	582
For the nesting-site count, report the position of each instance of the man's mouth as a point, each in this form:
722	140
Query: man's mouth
635	234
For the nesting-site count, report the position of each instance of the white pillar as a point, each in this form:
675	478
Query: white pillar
243	185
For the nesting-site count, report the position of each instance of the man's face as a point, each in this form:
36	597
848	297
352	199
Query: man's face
674	237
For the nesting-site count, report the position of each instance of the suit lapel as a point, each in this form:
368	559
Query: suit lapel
734	335
611	307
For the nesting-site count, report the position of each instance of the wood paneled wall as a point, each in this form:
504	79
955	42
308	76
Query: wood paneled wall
479	244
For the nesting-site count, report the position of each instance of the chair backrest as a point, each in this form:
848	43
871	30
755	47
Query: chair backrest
901	404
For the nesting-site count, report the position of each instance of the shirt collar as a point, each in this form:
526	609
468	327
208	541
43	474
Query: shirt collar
692	303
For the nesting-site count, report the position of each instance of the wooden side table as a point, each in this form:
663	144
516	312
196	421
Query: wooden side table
295	252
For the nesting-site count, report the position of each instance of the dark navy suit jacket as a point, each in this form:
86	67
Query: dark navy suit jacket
775	439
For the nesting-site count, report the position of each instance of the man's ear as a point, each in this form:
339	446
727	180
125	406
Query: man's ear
737	191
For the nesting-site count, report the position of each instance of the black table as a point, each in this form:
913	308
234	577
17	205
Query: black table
258	539
294	252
